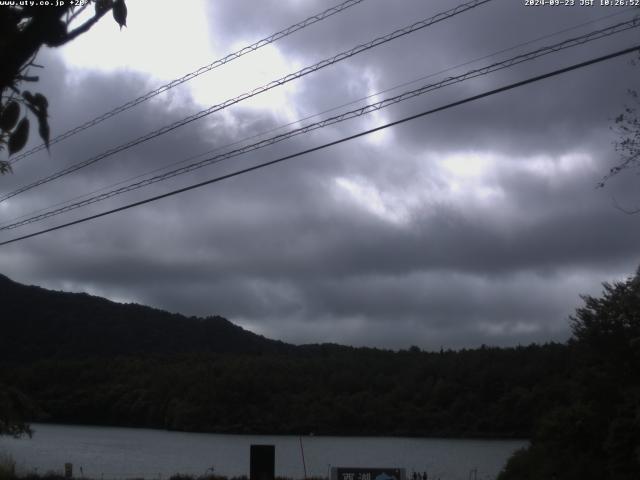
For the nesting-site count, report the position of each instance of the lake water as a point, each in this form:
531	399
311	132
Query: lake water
122	453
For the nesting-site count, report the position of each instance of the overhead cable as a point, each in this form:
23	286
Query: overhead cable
512	86
275	83
518	59
185	78
314	115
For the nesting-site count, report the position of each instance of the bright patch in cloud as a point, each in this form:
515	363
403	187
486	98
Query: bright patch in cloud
247	73
468	164
558	167
470	176
157	44
367	196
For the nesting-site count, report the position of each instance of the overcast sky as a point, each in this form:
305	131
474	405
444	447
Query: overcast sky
479	224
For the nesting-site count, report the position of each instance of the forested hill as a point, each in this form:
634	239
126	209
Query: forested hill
83	359
41	324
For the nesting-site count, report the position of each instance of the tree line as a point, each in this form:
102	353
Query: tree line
322	389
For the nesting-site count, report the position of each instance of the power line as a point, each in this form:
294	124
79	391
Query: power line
336	142
275	83
314	18
185	78
518	59
308	117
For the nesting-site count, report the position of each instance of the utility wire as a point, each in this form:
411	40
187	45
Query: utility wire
275	83
308	117
185	78
525	57
336	142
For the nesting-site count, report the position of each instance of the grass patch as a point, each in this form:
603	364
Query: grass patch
7	467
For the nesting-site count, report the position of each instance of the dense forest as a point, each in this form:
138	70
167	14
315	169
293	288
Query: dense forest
596	434
75	358
323	389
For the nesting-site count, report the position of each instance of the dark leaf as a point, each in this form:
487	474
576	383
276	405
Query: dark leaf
102	6
5	167
43	128
27	96
120	13
40	101
9	116
18	138
28	78
54	33
41	105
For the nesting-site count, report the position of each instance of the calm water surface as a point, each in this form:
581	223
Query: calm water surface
121	453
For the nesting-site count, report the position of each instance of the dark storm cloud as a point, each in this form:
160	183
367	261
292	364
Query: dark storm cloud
560	110
377	242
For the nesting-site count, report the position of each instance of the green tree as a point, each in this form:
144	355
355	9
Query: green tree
24	30
609	326
596	434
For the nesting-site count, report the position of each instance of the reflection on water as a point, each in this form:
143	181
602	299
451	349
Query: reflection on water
121	453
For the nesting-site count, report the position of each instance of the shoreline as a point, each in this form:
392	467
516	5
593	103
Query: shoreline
488	438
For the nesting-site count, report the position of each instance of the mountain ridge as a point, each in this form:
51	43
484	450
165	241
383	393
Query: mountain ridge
41	323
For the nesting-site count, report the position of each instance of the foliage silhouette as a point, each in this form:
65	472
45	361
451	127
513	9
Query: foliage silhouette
596	433
24	29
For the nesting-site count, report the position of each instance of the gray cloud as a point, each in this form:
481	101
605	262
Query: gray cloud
476	225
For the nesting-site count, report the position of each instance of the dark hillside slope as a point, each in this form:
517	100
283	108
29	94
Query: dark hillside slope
83	359
37	323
